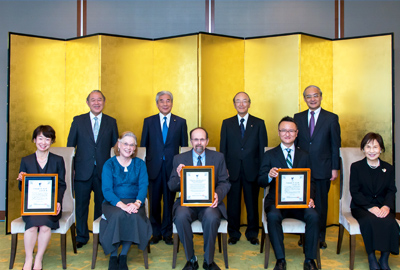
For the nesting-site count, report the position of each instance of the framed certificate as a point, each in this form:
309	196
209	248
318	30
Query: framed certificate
39	194
197	186
293	188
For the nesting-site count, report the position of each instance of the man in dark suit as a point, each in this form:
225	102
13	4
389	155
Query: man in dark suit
210	217
319	135
162	135
243	138
286	156
93	134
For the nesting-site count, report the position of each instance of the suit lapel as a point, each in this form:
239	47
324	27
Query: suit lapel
233	122
280	157
320	122
249	129
171	128
304	122
297	157
155	122
103	126
88	127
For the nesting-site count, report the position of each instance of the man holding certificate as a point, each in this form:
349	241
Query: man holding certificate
286	156
209	216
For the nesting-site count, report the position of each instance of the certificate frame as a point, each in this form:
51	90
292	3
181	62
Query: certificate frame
30	182
189	171
302	200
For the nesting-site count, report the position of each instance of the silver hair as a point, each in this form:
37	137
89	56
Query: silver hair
96	91
159	94
310	86
128	134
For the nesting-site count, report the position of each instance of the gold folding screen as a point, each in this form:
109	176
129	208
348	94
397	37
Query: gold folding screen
50	80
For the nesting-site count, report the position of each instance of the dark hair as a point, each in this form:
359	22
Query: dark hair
201	129
371	136
287	119
241	93
123	135
95	91
46	130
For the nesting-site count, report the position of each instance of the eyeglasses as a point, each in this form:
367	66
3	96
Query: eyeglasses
312	96
244	102
127	144
198	140
284	131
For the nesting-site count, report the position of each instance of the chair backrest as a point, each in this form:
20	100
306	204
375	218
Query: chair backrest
267	188
348	156
68	154
141	153
185	149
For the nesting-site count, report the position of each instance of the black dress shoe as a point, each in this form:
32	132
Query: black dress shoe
211	266
310	265
113	264
122	265
155	240
280	264
233	241
323	245
254	241
169	240
80	244
191	265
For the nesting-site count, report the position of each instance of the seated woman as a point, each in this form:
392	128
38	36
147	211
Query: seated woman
42	161
124	184
373	189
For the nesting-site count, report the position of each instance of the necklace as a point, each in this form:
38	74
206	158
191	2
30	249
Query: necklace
374	167
124	163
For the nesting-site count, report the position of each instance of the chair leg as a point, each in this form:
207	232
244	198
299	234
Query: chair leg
318	255
73	237
219	242
267	247
63	240
225	247
340	239
303	240
262	241
352	250
145	258
148	247
175	250
95	249
14	243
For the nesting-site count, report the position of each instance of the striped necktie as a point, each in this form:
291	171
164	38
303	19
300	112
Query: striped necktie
199	161
96	128
289	158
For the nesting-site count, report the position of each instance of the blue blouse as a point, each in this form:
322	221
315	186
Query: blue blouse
117	184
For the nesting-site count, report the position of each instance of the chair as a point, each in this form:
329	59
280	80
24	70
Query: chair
289	225
67	220
197	228
141	153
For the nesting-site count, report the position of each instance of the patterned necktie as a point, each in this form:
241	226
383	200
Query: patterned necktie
164	129
312	123
199	161
96	128
242	127
289	158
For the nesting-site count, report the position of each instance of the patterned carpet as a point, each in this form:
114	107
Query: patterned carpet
243	255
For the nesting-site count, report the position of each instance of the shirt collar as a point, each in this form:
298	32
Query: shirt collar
246	117
162	117
93	116
316	112
284	148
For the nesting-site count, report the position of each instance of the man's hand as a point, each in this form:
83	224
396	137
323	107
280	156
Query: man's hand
273	172
311	204
179	169
215	203
334	175
19	178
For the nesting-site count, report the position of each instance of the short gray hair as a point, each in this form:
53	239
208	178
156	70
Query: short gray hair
95	91
310	86
159	94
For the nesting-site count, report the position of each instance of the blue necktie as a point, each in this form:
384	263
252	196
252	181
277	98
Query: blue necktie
199	161
96	128
242	127
289	158
164	129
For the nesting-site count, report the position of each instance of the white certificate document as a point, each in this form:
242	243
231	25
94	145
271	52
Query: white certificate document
39	194
292	188
197	186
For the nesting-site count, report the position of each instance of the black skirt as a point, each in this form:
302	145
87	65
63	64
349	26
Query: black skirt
37	221
120	226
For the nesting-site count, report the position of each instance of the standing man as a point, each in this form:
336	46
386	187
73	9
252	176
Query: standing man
286	156
162	135
93	134
319	135
243	138
210	217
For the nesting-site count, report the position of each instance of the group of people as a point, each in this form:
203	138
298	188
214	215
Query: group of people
311	139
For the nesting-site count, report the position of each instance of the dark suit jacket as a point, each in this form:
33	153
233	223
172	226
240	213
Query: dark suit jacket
87	150
153	141
323	146
213	158
367	192
276	158
248	150
55	164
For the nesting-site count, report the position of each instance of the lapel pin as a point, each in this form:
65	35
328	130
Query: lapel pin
251	125
384	170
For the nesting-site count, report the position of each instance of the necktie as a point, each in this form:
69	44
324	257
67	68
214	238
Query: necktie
312	123
96	128
199	161
289	158
242	127
165	129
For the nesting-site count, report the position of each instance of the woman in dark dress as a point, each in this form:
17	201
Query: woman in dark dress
373	189
124	184
42	161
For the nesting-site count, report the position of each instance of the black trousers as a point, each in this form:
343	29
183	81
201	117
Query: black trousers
322	187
